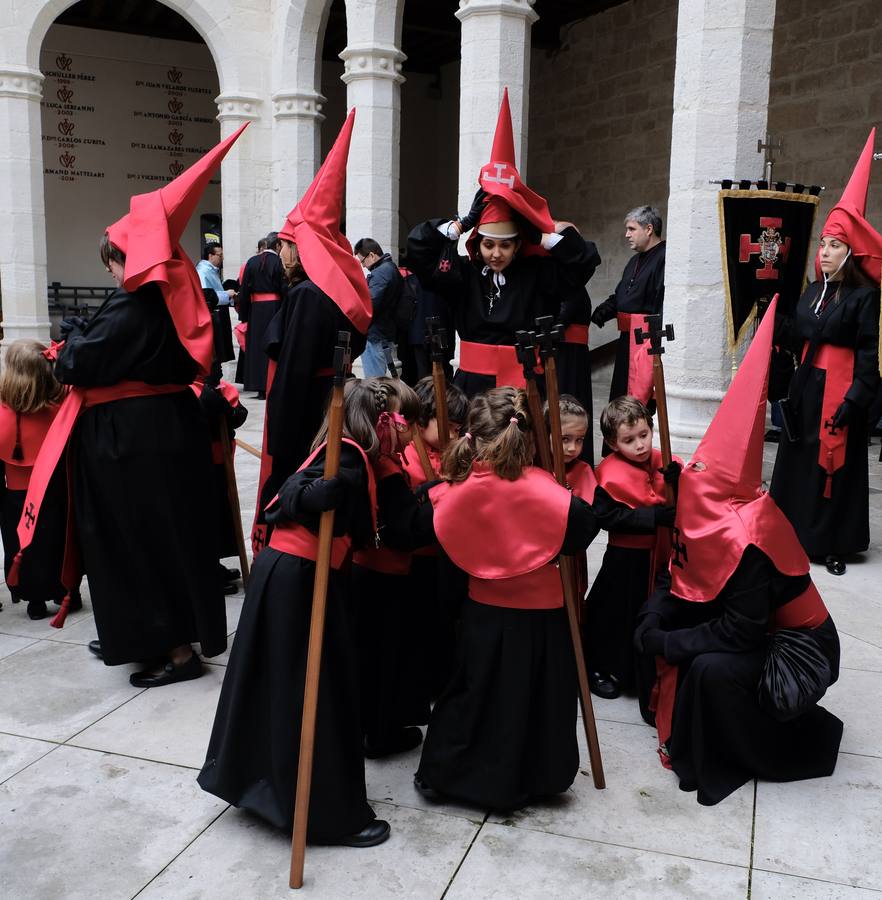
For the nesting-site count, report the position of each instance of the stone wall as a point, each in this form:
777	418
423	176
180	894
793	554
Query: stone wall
600	126
826	93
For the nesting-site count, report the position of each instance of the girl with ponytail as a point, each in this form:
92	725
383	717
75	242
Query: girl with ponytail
504	731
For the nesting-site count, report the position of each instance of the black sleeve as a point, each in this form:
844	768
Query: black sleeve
614	516
425	245
582	527
243	301
606	310
405	523
865	381
744	608
575	258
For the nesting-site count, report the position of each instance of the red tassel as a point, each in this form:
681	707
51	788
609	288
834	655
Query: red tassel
828	487
61	615
14	570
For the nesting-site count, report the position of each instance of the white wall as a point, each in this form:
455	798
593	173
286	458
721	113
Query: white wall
121	115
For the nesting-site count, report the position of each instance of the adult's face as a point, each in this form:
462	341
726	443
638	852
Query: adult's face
216	257
637	235
497	253
832	253
288	254
116	269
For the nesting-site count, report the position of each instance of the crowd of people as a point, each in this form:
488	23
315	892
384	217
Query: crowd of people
445	605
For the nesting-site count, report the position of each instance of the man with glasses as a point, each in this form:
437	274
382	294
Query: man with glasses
385	284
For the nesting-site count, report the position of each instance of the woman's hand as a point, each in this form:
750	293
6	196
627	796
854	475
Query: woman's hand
560	227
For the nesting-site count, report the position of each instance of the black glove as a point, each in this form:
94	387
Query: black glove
664	516
321	495
671	473
844	414
471	218
72	324
213	402
654	642
598	318
649	622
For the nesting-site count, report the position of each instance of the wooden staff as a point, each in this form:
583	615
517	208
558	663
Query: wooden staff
418	441
526	350
233	495
436	338
547	333
248	448
655	334
317	621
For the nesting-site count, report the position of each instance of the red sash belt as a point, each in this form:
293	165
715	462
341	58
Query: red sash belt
383	559
298	540
838	363
264	298
539	589
632	541
258	528
78	400
805	611
639	360
240	331
498	360
576	334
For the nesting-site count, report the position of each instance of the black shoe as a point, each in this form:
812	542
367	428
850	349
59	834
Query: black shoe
37	609
603	685
229	574
170	674
231	588
835	566
400	742
95	647
426	792
369	836
772	436
260	395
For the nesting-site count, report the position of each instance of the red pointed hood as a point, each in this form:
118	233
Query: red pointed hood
150	234
721	507
501	180
314	226
846	220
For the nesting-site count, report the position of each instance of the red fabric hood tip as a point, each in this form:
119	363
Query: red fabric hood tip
721	508
494	528
150	234
500	179
847	221
314	226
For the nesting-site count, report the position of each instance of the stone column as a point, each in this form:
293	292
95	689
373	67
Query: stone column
296	147
246	181
495	55
23	280
721	94
373	78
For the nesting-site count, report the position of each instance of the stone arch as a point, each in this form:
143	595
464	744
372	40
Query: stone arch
300	39
197	12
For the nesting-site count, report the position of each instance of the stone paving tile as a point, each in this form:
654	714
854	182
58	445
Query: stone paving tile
169	724
771	886
825	828
14	620
76	631
17	752
10	644
506	863
622	709
241	857
79	824
863	721
642	806
53	690
859	654
390	780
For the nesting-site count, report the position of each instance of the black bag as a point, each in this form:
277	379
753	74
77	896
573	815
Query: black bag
795	676
405	309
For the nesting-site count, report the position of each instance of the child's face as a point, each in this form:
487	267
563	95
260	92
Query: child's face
572	432
431	436
634	442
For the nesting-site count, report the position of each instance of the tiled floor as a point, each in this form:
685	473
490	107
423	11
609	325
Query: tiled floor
98	797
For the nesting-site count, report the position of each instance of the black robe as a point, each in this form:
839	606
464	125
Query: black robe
839	525
263	274
141	472
641	290
253	752
301	339
721	737
535	286
504	730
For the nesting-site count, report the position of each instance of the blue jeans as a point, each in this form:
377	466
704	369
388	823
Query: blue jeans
374	357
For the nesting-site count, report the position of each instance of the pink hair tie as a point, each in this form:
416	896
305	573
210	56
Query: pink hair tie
468	436
513	420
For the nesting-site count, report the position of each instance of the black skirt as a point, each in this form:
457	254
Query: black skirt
254	748
504	731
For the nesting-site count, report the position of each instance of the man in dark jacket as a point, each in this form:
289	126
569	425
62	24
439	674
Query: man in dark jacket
385	284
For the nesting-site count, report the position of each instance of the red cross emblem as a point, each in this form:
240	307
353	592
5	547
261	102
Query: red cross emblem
770	247
444	265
